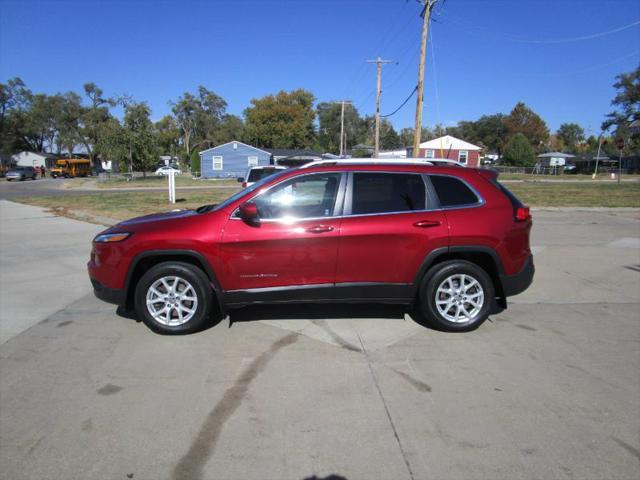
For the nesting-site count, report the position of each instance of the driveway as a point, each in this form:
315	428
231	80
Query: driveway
547	389
41	259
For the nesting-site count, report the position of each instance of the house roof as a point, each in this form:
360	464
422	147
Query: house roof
228	143
556	155
448	142
40	154
292	152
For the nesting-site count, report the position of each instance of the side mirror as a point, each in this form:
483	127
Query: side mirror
249	213
240	179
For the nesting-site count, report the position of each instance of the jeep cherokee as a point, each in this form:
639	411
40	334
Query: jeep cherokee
451	241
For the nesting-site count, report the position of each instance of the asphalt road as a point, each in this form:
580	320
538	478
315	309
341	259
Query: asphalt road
548	389
64	187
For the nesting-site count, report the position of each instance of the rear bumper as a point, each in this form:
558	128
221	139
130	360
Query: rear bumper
519	282
109	295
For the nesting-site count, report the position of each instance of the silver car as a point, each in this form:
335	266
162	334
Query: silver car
21	173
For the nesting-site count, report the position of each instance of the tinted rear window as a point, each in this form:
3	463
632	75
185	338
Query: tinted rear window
387	192
452	192
260	173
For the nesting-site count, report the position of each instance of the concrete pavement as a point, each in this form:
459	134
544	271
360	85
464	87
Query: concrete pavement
547	389
41	258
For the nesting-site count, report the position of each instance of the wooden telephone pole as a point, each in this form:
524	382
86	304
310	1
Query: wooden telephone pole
343	140
426	17
379	62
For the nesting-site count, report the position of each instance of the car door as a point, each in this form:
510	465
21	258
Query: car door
389	227
295	242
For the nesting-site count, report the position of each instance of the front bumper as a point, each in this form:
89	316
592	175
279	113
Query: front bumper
519	282
109	295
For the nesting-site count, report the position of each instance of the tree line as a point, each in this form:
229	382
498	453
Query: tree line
65	123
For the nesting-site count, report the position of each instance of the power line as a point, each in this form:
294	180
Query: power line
415	89
467	27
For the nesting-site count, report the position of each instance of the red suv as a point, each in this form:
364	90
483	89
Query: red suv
452	241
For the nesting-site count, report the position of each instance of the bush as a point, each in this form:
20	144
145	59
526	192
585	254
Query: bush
195	163
518	152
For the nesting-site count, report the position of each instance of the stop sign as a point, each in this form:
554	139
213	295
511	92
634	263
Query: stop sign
620	143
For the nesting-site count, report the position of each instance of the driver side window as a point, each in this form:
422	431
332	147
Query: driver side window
310	196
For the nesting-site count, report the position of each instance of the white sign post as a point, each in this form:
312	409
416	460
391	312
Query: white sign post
172	186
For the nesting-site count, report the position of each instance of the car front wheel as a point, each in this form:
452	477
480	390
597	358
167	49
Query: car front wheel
457	297
174	298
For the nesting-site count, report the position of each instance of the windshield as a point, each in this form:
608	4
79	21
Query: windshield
245	191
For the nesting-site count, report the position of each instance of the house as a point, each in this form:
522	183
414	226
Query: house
451	148
393	154
34	159
231	159
293	157
553	159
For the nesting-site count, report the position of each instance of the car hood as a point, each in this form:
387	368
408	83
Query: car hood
157	217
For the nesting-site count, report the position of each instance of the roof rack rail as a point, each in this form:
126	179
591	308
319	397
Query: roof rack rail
385	161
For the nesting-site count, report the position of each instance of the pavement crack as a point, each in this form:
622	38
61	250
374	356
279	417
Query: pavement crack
386	409
191	465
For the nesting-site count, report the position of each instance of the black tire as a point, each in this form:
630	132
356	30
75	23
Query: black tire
193	276
429	296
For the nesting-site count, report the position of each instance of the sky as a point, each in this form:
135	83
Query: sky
560	57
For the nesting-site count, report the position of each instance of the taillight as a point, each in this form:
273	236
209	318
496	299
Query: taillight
522	214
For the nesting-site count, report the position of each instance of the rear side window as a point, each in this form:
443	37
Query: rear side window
387	192
260	173
452	192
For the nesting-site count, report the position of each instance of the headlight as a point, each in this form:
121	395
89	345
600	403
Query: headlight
111	237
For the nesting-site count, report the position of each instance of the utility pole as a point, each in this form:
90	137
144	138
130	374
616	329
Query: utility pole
379	62
426	17
343	139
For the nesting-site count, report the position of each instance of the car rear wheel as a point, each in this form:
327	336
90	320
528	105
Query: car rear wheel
174	298
457	296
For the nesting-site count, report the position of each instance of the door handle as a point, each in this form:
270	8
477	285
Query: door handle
320	229
427	223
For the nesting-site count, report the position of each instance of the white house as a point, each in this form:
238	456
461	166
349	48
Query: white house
34	159
554	159
393	154
451	148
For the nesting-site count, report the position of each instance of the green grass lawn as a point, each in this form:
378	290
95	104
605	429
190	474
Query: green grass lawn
577	194
158	181
123	205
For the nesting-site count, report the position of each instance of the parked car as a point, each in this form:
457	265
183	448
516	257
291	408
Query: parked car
21	173
570	168
255	174
452	241
166	170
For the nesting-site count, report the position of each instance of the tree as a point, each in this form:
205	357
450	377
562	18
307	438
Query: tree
14	97
525	121
230	128
389	139
284	120
167	136
572	135
198	117
329	117
518	152
131	142
627	108
92	117
406	136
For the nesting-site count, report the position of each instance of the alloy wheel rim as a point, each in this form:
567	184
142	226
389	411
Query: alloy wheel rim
459	298
171	301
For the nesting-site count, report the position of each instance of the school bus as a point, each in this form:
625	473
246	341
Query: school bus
71	167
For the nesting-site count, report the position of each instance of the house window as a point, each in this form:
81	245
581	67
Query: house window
429	153
217	162
463	155
252	161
